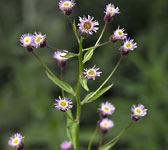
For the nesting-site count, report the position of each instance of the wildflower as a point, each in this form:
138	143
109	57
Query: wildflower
92	73
16	140
27	41
66	6
106	109
129	45
138	112
118	34
59	56
87	26
110	11
63	104
39	40
105	125
66	145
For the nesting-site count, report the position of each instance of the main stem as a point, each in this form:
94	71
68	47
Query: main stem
78	110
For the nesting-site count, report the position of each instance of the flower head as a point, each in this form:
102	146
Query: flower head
16	140
105	125
39	40
110	11
87	25
129	45
92	73
66	145
66	6
63	104
27	41
106	109
59	56
138	112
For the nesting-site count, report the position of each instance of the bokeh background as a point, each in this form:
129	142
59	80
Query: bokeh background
27	95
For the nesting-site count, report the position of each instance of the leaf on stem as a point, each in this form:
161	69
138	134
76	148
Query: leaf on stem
70	55
63	85
95	95
83	82
71	130
88	55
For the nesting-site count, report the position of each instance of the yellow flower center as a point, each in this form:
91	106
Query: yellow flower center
38	39
92	72
106	108
105	124
63	54
111	9
27	40
128	45
87	25
138	110
120	33
63	103
66	4
15	141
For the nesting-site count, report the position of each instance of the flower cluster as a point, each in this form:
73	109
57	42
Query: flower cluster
33	41
106	109
16	141
66	145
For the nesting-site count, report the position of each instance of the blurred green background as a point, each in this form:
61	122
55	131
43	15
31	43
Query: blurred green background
27	95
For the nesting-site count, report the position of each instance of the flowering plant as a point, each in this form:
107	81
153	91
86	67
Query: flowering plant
86	27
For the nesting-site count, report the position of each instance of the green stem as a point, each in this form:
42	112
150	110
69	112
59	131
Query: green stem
74	29
101	141
78	93
43	64
101	33
86	49
111	74
62	79
115	139
92	137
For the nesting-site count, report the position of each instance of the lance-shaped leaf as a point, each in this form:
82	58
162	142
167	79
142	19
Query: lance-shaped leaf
63	85
70	55
88	55
71	130
83	82
95	95
110	144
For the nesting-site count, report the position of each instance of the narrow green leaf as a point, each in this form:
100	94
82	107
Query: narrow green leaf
71	130
88	55
95	95
70	55
83	82
63	85
110	144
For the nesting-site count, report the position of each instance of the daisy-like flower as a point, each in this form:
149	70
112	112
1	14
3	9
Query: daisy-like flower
16	140
110	11
59	56
66	6
105	125
129	45
106	109
138	112
63	104
39	40
87	26
66	145
27	41
92	73
118	34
